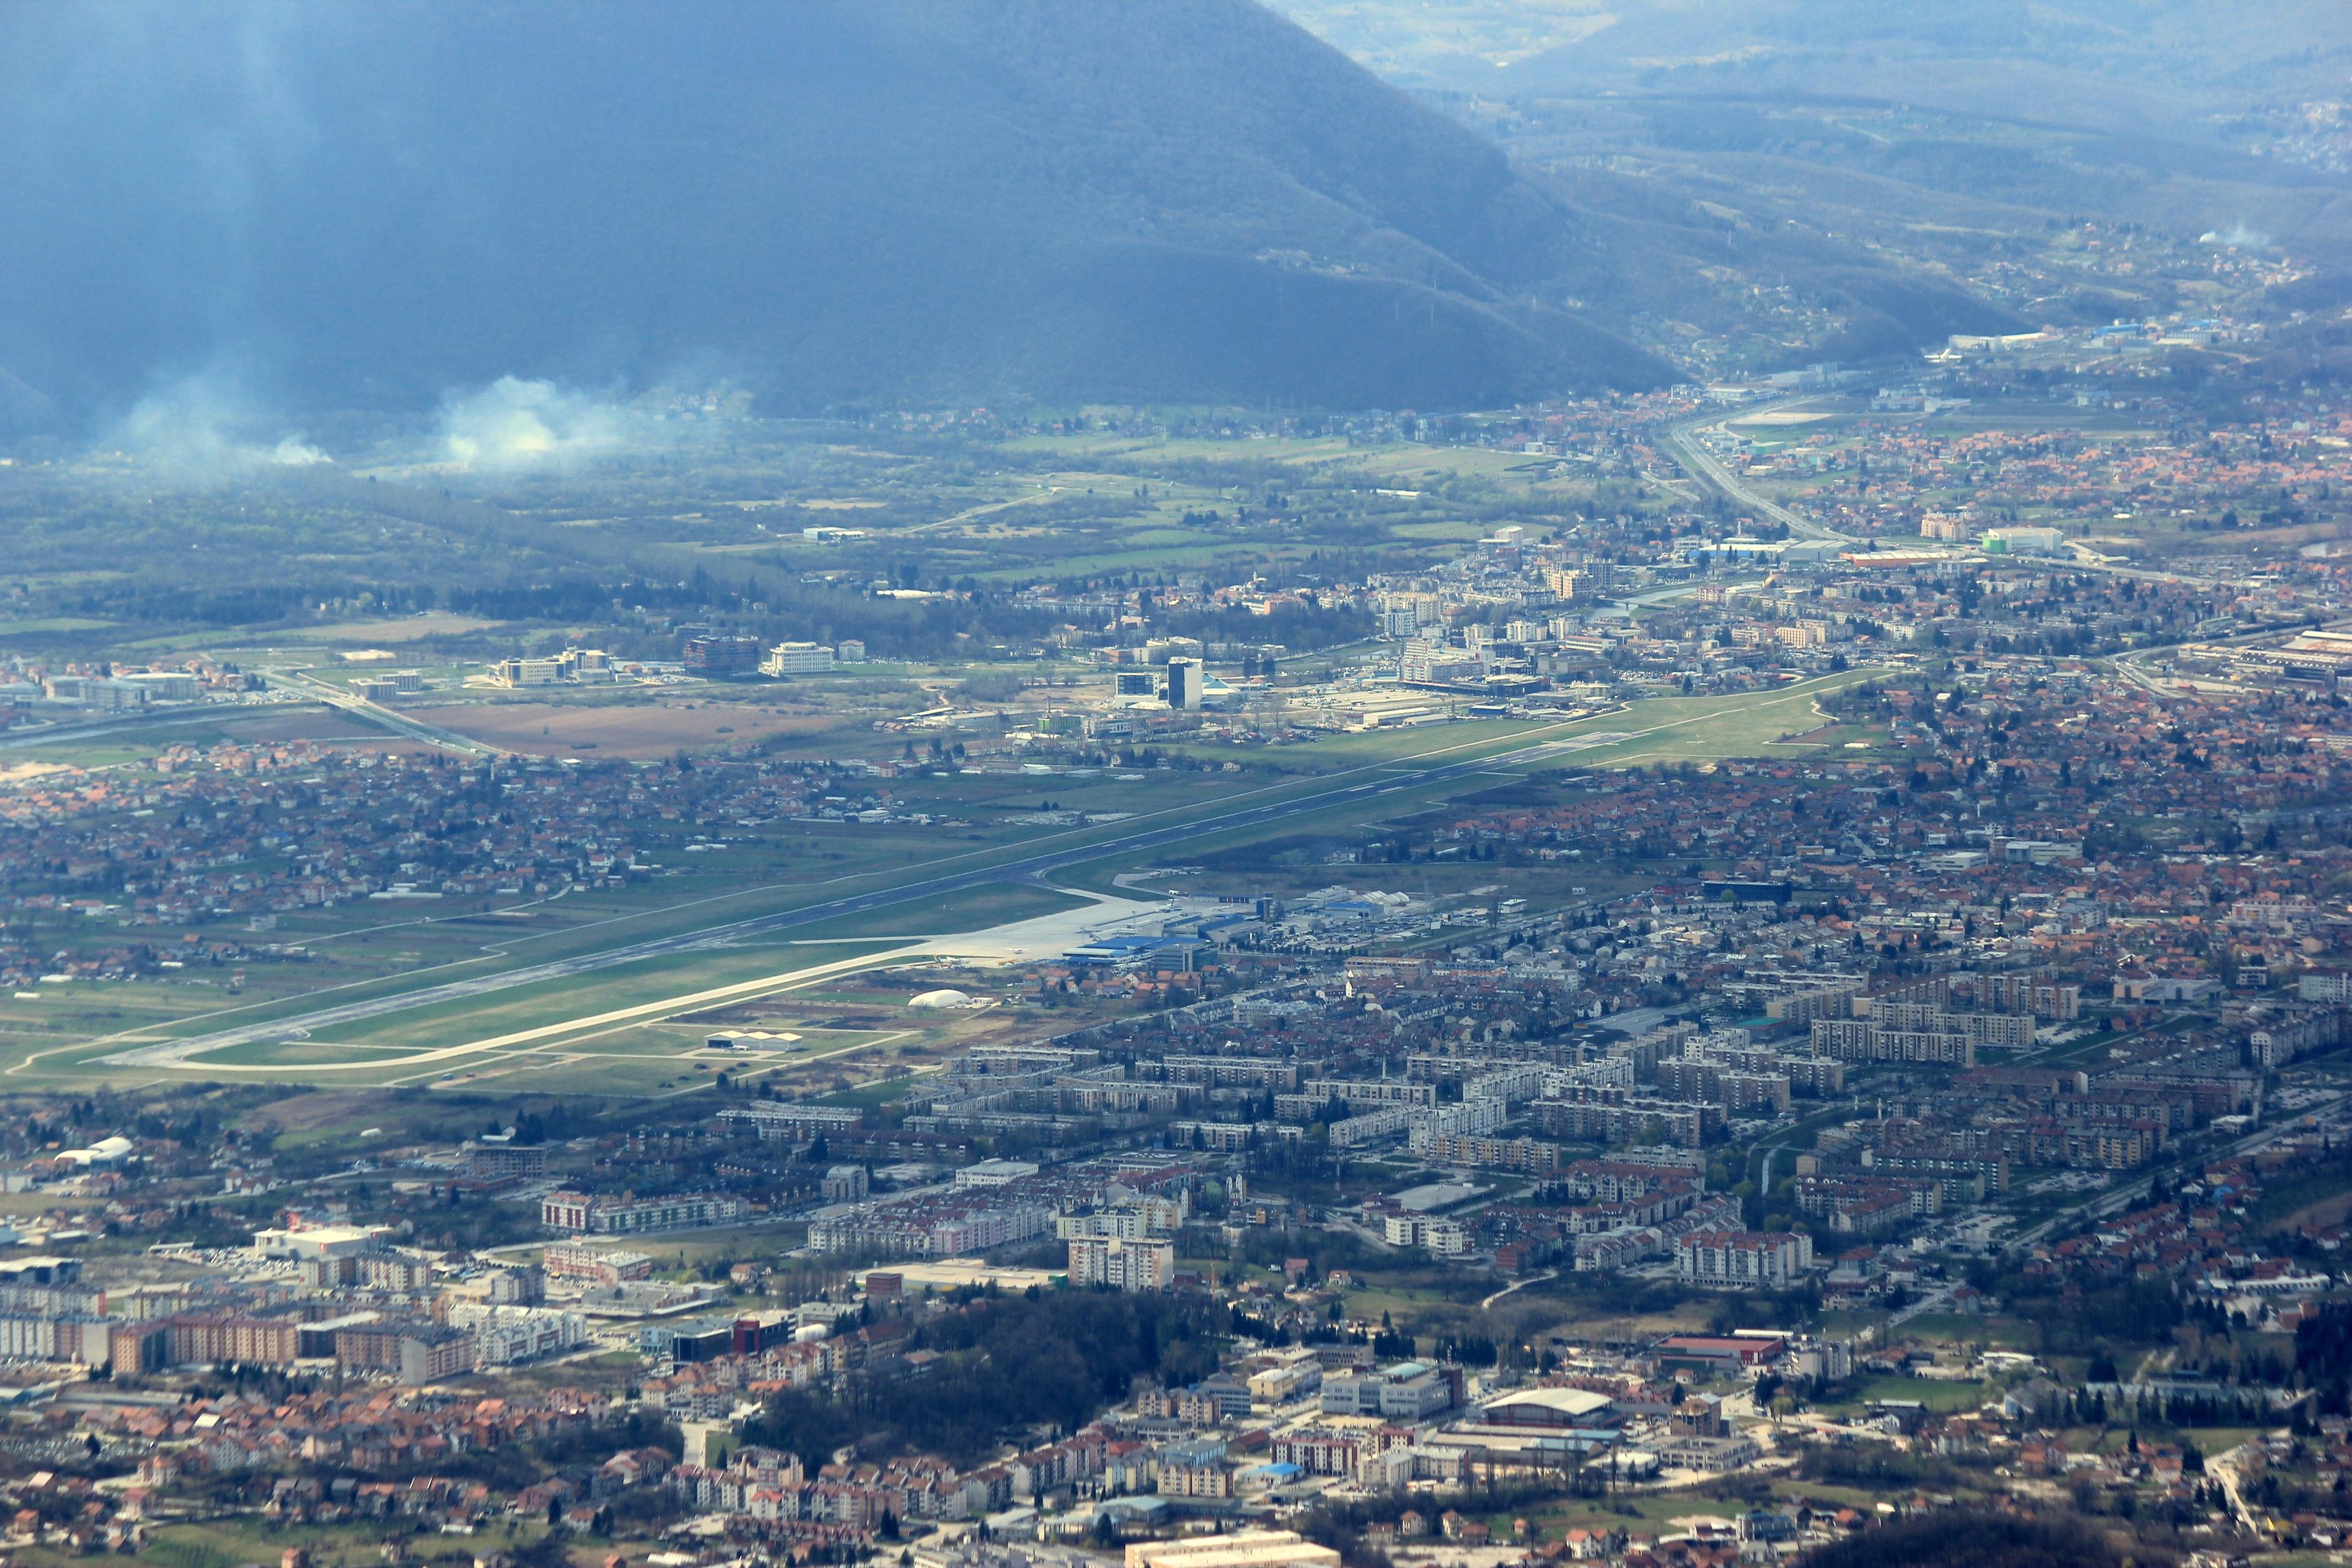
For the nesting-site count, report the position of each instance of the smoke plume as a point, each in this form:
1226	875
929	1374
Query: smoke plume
2239	235
513	426
208	425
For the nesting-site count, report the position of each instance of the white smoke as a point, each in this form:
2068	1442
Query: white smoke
2238	236
208	425
514	425
296	453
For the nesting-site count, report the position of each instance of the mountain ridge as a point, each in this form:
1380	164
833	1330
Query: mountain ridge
1186	200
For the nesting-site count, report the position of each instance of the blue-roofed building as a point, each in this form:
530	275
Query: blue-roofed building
1135	951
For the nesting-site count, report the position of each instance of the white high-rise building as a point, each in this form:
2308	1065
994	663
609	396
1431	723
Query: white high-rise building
1184	683
797	659
1743	1256
1122	1263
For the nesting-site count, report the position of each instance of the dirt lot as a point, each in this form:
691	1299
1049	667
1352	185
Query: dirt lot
631	730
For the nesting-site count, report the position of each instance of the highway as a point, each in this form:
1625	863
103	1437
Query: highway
2133	666
145	721
349	701
1386	776
291	683
1693	455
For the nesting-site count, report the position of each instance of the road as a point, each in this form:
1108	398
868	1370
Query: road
145	721
2225	1469
349	701
1791	1140
2121	1197
1937	1301
293	683
1518	1285
2133	666
1692	454
1381	777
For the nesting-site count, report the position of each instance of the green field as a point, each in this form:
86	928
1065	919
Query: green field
38	625
1942	1395
229	1543
871	1096
1665	730
1960	1328
1398	459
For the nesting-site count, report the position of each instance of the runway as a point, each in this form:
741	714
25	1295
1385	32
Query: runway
1368	780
